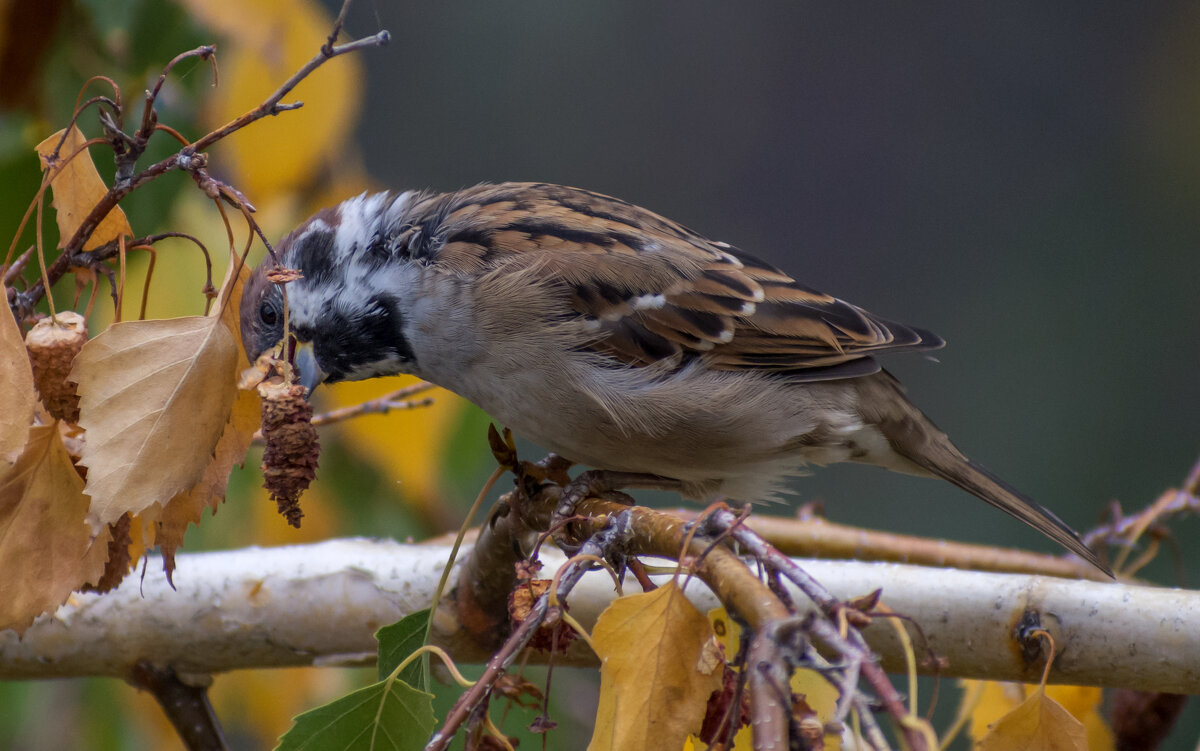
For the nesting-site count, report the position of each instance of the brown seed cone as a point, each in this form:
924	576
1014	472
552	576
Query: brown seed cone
52	346
290	459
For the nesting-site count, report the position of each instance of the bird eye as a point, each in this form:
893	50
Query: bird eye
267	313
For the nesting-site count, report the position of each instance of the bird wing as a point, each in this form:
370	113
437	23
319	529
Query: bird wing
653	290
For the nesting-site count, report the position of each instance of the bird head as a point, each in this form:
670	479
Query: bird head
343	315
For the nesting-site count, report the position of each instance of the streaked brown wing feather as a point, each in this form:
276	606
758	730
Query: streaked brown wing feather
658	291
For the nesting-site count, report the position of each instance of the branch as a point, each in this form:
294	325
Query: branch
814	536
191	158
319	605
186	706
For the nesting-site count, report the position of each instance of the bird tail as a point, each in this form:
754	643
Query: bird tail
981	483
914	437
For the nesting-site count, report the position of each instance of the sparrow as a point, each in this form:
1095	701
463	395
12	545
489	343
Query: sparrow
612	336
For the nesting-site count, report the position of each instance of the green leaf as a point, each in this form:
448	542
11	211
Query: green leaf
397	642
385	716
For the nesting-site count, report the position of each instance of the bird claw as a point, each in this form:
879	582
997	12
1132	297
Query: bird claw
598	483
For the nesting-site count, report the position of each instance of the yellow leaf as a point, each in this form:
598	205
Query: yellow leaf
1083	702
46	549
1038	724
188	507
270	40
154	399
997	698
822	697
16	389
77	189
652	691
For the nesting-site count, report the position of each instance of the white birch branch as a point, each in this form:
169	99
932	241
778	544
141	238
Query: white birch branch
320	604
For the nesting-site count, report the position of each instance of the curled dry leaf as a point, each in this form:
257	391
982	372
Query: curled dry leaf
77	189
53	344
291	453
120	557
16	391
46	549
720	717
154	398
654	650
262	369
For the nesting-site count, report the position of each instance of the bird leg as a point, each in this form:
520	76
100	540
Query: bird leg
601	483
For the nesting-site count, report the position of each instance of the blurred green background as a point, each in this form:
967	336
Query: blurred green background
1021	178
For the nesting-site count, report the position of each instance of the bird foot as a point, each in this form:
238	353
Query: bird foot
599	483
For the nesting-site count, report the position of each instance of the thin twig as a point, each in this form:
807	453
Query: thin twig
380	406
190	158
398	399
149	118
770	693
726	520
1170	503
812	536
18	266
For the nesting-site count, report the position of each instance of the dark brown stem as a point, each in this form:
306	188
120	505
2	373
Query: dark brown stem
149	118
14	271
190	158
186	706
271	106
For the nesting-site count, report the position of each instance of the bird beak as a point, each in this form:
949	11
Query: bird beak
308	373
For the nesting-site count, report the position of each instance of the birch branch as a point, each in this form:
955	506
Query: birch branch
320	604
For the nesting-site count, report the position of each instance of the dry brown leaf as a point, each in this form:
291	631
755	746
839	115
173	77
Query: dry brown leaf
16	390
1038	724
46	549
154	398
652	690
188	507
77	189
